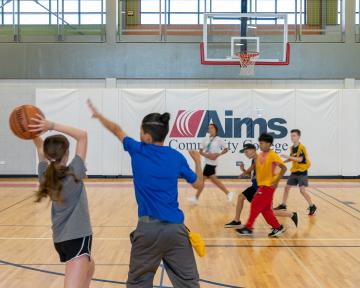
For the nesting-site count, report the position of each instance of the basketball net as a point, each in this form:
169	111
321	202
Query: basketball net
247	61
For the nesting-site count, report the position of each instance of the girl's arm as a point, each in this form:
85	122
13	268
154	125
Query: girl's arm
43	125
224	151
111	126
39	144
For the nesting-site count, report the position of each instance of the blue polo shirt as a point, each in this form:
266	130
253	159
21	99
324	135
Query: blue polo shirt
156	170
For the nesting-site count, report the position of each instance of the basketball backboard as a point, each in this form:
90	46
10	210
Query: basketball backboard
226	34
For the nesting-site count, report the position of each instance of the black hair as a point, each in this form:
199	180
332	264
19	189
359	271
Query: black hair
266	137
215	126
297	131
157	125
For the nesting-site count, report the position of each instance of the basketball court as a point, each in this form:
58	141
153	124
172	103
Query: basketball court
321	252
246	66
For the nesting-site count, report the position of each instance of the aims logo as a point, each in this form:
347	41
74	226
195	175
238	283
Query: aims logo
187	123
190	124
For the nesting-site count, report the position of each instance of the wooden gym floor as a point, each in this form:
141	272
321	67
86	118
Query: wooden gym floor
324	251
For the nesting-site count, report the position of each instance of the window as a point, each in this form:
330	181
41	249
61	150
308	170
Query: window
52	20
191	11
40	12
225	6
150	11
267	5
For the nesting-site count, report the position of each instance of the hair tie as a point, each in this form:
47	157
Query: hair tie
154	123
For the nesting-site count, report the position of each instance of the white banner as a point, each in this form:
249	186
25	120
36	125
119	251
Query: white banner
317	115
349	132
230	104
68	106
187	110
328	119
136	104
112	151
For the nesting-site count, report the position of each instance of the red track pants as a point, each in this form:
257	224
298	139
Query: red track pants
262	203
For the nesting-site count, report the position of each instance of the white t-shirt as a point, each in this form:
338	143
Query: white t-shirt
213	145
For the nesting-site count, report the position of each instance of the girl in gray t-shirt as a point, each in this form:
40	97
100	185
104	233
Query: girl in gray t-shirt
63	184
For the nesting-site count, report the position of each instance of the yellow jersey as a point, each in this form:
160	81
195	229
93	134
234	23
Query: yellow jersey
265	167
299	151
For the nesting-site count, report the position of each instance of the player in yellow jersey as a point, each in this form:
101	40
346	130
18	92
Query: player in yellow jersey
267	179
299	172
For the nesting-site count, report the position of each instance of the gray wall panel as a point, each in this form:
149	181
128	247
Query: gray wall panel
166	60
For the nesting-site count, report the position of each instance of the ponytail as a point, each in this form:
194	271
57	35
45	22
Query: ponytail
52	184
55	147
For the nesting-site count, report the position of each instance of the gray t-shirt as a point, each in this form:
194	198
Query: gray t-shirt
70	219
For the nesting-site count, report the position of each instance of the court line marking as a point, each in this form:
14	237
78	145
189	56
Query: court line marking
16	203
60	274
162	275
206	239
282	246
337	200
49	226
181	185
59	264
302	264
6	263
326	200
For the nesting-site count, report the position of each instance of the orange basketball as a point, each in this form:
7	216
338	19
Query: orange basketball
20	118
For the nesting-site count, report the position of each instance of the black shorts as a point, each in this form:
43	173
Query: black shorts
71	249
298	179
209	170
249	193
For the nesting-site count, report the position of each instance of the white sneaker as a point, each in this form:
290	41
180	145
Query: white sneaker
230	196
193	200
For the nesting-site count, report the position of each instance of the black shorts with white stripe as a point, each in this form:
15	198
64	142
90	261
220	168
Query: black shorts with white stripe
71	249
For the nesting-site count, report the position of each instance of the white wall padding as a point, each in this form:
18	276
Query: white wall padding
329	120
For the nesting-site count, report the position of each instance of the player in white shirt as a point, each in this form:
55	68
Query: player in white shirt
212	148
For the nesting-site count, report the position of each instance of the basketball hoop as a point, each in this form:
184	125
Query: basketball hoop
247	61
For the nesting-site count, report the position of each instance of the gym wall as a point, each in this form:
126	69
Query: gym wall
16	92
329	133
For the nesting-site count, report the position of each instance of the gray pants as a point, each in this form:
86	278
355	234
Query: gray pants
156	241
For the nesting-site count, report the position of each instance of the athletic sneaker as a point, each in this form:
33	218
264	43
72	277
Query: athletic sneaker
312	210
230	196
277	232
233	224
244	232
295	219
193	200
280	207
